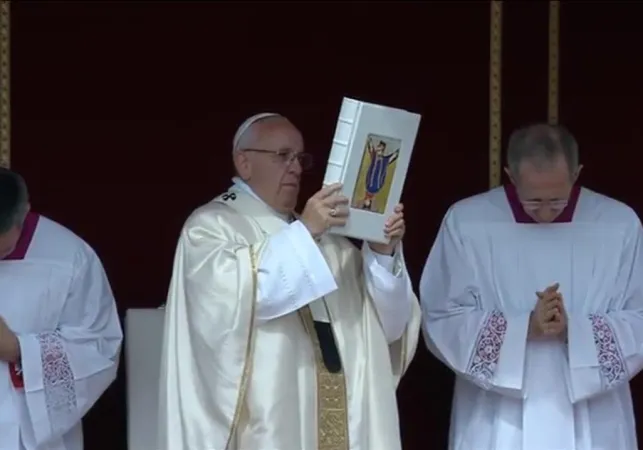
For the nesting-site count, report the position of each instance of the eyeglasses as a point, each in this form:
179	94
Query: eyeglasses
286	157
533	205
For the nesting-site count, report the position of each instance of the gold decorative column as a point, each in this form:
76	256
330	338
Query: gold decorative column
495	89
554	58
5	74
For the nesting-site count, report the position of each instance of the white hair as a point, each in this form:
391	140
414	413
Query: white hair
541	143
245	126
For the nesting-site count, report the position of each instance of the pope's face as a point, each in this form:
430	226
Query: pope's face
273	170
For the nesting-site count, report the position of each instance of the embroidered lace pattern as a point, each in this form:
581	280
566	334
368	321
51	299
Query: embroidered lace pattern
486	352
58	378
609	355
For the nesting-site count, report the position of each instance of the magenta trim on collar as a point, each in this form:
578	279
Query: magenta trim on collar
28	231
521	216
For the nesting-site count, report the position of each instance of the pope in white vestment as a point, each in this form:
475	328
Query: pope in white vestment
58	313
493	253
274	339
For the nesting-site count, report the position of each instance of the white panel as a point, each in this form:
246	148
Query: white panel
143	342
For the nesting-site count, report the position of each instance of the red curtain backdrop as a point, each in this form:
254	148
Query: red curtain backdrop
123	115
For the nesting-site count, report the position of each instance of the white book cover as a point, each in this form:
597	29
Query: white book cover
370	156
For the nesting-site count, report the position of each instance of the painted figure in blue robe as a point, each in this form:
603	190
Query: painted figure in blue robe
377	170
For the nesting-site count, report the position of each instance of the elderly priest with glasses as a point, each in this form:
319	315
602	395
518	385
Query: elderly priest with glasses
533	295
277	334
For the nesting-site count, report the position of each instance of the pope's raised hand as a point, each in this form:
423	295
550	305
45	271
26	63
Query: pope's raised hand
394	229
326	208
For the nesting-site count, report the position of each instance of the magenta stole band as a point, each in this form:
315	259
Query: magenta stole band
521	216
28	231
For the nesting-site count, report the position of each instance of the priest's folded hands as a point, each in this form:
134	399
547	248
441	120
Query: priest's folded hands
9	347
548	319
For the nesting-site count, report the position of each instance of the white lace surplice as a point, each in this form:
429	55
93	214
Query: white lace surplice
57	299
478	289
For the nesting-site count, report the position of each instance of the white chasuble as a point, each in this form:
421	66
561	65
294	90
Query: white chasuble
232	382
56	298
477	291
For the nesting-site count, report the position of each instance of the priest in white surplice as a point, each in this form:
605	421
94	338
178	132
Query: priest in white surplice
279	336
60	335
533	295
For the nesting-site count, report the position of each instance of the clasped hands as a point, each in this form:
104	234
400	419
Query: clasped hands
548	319
9	345
328	208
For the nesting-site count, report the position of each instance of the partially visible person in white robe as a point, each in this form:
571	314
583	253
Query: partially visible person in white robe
533	295
60	334
277	334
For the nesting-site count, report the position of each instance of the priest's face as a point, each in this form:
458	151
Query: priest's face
273	167
544	190
8	241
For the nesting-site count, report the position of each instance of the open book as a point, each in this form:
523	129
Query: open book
370	156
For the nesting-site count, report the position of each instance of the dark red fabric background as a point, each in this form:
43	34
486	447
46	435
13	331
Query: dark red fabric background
123	114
